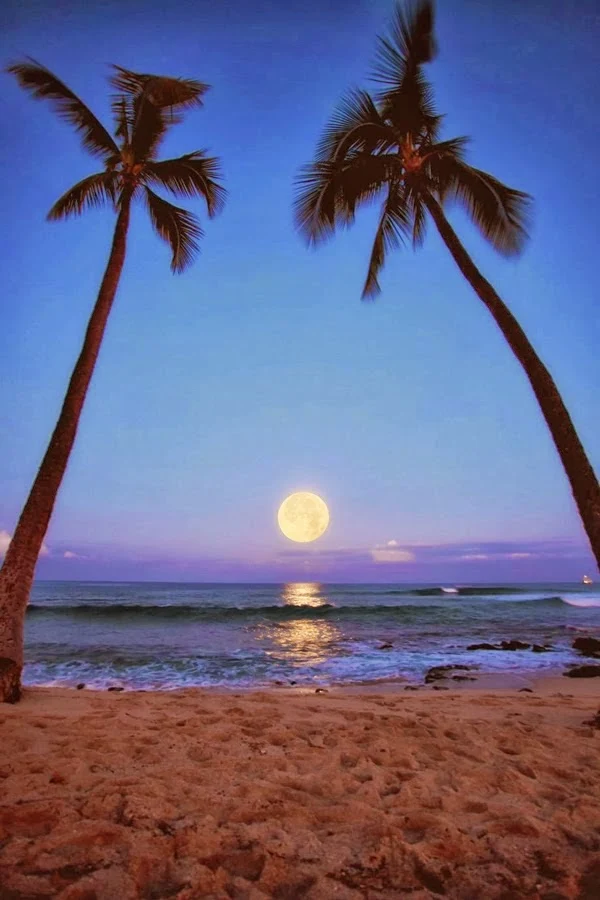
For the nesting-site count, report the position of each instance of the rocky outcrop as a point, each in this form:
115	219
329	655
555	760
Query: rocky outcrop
587	646
508	645
583	672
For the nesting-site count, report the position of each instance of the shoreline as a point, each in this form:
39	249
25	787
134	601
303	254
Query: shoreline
476	679
359	792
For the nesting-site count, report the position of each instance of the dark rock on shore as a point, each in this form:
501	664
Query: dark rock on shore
81	686
588	646
438	673
116	689
483	647
583	672
542	648
503	645
386	646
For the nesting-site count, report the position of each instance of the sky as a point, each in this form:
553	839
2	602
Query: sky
259	371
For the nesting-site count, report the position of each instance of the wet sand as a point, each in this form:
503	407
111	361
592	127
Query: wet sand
353	793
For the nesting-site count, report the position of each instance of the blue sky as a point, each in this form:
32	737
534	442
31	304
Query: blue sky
259	371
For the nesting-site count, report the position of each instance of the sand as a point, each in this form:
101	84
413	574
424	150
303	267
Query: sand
470	794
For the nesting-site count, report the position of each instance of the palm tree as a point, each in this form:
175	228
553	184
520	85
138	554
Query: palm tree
388	147
144	108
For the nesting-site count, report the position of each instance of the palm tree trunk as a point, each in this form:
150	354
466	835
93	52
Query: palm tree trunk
580	473
16	575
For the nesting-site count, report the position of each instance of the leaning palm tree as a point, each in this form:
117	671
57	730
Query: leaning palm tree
144	108
387	147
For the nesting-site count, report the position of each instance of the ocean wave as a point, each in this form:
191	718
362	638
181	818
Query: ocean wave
125	611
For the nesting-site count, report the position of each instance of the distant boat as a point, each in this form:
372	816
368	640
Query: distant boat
586	580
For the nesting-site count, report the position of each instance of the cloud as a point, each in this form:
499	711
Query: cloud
4	542
474	556
392	553
68	554
5	539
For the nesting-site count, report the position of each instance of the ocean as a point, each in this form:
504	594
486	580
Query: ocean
159	635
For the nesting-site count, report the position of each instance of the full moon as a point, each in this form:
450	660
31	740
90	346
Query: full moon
303	517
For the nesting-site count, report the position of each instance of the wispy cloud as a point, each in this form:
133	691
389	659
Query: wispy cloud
69	554
392	553
5	539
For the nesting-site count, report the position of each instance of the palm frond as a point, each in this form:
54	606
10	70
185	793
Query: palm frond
162	91
149	126
329	192
500	213
191	175
453	148
123	116
409	107
355	125
93	191
178	227
394	226
42	84
417	212
406	100
410	43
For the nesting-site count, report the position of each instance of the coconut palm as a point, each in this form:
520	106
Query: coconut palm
144	108
387	147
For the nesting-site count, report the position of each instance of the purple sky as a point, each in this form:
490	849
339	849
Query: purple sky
259	372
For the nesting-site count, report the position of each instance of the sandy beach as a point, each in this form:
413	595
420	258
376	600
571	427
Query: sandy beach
475	793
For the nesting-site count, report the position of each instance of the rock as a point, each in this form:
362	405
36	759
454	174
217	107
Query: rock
464	678
80	686
386	646
503	645
483	646
438	673
440	687
542	648
411	687
116	689
526	690
588	646
583	672
321	691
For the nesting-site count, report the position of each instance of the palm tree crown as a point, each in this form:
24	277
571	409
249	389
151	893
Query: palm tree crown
386	146
144	108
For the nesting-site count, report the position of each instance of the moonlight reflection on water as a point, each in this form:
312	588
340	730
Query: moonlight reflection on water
301	641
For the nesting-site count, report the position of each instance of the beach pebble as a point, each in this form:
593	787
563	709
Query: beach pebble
80	686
